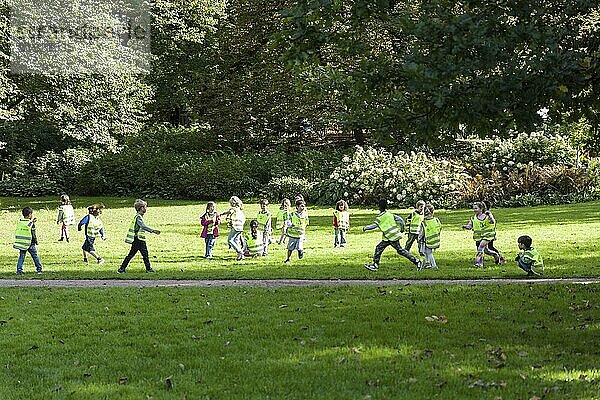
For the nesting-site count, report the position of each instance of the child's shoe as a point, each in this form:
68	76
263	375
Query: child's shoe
149	270
372	267
61	239
120	271
240	257
419	264
478	265
300	254
100	261
85	260
287	261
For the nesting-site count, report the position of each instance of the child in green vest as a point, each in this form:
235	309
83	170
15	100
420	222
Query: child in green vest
414	221
66	217
282	216
429	235
264	225
235	239
391	226
136	236
26	240
529	260
93	228
253	242
483	225
296	230
341	223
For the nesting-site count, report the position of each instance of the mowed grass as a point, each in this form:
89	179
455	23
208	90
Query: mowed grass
568	237
485	342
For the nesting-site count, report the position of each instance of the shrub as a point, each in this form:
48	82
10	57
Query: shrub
288	186
402	178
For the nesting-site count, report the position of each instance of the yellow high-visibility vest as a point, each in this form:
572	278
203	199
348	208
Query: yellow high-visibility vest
23	235
387	224
432	228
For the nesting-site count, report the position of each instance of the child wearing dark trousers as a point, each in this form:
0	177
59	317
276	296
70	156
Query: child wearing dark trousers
137	238
391	226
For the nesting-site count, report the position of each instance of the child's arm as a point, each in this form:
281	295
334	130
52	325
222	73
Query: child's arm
370	227
399	221
84	221
102	235
61	214
335	222
490	217
205	221
468	226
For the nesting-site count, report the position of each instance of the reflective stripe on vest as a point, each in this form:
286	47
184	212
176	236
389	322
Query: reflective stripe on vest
23	235
131	234
254	246
263	218
415	222
535	256
387	224
298	228
432	229
93	227
343	219
237	220
483	230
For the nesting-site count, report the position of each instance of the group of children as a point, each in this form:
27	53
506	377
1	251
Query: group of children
421	226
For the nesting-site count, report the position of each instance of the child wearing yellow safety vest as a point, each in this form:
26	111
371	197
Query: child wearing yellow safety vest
210	222
136	236
264	225
414	222
429	235
283	214
66	217
235	214
341	223
93	228
483	225
529	260
26	240
253	241
391	227
296	230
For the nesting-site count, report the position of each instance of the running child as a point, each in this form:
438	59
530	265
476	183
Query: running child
341	223
26	240
210	227
296	230
264	225
483	225
429	235
235	238
66	217
529	260
391	227
414	222
93	228
136	236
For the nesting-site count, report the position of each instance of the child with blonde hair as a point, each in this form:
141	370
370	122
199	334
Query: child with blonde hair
429	235
66	217
235	238
210	222
296	230
341	223
136	236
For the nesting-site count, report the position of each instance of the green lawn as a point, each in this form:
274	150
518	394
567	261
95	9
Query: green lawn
568	237
491	342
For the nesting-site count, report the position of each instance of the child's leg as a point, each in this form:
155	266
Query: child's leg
283	236
233	240
145	256
342	237
403	252
410	240
481	247
22	254
95	254
134	249
429	257
498	257
379	250
336	237
36	259
266	242
289	254
85	257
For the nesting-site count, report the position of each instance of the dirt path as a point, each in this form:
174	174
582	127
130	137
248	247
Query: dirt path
277	283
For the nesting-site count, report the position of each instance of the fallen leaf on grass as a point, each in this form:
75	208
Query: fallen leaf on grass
522	353
434	318
535	398
283	306
169	383
123	380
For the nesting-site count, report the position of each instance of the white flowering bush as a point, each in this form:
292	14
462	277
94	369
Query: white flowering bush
403	178
523	149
